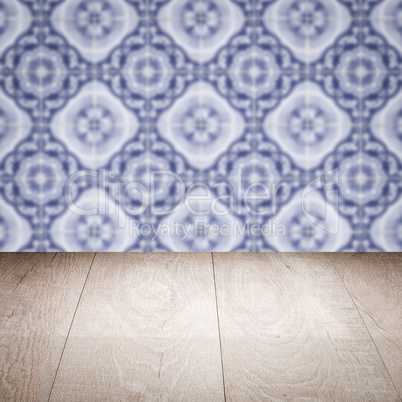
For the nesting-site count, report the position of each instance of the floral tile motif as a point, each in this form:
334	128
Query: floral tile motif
201	125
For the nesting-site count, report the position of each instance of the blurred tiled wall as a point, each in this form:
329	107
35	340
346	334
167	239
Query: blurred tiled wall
200	125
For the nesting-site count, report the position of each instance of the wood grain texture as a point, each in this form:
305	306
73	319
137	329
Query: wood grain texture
289	330
14	266
36	310
146	329
375	283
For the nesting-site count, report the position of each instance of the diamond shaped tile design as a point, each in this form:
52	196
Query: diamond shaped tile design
200	125
309	123
15	18
201	27
94	125
307	27
94	27
15	124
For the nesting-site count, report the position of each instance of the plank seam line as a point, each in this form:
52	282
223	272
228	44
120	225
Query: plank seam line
71	324
219	327
26	273
368	331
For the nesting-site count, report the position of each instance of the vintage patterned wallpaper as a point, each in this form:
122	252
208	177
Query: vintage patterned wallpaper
201	125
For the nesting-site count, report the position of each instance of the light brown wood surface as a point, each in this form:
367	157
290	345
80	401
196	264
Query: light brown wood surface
14	266
146	329
289	330
241	327
375	283
39	295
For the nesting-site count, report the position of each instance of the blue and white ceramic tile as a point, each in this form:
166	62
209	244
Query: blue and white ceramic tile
201	125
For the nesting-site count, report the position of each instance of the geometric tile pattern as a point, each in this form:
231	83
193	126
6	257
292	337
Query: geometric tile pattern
201	125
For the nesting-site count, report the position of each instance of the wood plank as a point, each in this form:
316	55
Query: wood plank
375	284
37	307
146	329
14	266
289	330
